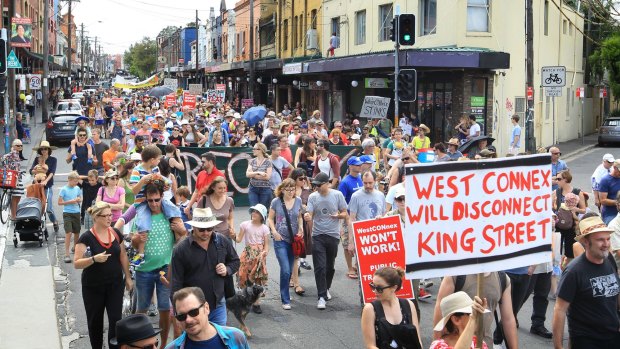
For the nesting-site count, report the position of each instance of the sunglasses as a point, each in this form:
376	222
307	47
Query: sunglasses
19	146
82	135
378	289
302	179
400	199
407	158
114	178
193	313
105	215
154	200
202	230
558	153
148	346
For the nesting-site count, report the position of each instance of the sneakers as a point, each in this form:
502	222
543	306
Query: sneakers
137	260
152	310
423	294
56	227
305	265
67	259
329	296
426	283
286	306
321	304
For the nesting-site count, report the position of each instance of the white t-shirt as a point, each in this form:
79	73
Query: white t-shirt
291	139
598	174
325	167
474	129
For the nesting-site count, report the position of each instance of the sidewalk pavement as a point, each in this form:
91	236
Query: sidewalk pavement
27	295
575	146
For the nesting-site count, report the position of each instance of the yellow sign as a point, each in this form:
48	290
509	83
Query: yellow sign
152	81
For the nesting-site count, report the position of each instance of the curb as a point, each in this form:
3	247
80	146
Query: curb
579	151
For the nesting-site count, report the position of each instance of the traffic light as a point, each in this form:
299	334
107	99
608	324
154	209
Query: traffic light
407	85
406	29
393	29
2	56
2	84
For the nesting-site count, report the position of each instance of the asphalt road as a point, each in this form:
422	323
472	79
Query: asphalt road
302	327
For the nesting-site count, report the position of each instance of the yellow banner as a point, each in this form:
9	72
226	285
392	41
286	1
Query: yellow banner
152	81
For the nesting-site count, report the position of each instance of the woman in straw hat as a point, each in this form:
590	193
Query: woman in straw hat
255	234
45	163
389	315
113	194
421	141
459	321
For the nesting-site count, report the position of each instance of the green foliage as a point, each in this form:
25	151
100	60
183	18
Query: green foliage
614	113
607	59
167	31
141	58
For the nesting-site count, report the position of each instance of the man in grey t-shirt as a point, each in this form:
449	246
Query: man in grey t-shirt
325	208
365	204
279	164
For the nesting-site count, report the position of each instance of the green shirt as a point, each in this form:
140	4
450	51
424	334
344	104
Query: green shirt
159	244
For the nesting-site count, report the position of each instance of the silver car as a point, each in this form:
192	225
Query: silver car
609	132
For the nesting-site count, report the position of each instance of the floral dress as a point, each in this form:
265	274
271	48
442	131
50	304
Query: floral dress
253	267
441	344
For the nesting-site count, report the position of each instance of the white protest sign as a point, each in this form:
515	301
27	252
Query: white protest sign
218	95
171	83
375	107
195	89
470	217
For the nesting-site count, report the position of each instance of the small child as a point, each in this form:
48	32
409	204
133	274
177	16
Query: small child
70	197
253	259
144	173
570	202
182	196
90	145
90	186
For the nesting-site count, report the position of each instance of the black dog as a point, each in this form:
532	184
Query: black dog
241	303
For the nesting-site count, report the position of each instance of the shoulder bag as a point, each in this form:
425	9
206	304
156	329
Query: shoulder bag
297	244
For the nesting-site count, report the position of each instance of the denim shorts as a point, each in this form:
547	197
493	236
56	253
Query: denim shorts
146	282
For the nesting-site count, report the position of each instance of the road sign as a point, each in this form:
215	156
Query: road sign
553	91
530	93
553	76
580	92
35	82
12	62
602	93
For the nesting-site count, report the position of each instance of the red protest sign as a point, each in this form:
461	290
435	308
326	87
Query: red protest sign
379	243
171	100
247	102
189	100
116	102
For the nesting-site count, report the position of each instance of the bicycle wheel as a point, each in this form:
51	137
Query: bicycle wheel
5	207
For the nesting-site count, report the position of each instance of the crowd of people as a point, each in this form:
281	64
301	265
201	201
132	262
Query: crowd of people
301	205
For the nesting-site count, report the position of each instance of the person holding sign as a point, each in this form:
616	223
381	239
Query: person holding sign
460	316
326	207
588	293
389	315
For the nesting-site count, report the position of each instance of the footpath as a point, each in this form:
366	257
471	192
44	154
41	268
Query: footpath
27	295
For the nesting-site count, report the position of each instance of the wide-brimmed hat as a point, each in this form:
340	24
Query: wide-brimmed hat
458	302
135	157
453	141
486	152
424	128
111	173
133	328
260	208
44	145
592	225
82	118
203	218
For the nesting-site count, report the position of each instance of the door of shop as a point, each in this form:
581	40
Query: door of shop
434	108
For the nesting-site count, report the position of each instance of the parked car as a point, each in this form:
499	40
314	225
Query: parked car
77	95
609	132
68	106
61	127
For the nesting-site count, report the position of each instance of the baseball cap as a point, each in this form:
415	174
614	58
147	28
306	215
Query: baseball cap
320	178
354	161
355	136
608	158
367	159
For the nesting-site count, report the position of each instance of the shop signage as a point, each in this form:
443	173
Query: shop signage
304	84
292	68
375	107
314	86
477	101
376	83
499	212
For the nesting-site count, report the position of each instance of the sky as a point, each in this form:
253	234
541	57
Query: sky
120	23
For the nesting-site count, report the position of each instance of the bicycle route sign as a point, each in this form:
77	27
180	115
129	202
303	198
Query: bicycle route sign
553	76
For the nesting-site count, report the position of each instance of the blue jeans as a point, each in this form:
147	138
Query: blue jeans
143	214
260	195
218	315
50	205
284	254
146	282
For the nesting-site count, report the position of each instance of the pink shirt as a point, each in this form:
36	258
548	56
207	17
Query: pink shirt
254	234
120	192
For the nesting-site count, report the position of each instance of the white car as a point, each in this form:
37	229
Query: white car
68	106
77	95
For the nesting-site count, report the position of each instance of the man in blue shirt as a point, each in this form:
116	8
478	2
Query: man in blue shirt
515	138
557	165
349	185
608	190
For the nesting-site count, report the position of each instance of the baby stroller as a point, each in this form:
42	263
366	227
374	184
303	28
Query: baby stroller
30	221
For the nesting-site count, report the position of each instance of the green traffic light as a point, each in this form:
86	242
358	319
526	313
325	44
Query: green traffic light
407	37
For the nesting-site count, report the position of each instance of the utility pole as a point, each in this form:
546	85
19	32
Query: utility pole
96	60
396	65
82	55
69	37
9	100
251	82
197	46
46	52
530	140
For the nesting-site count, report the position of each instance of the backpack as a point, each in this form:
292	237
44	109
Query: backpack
565	219
404	334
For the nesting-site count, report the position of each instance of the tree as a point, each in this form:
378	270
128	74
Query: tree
141	58
607	59
167	31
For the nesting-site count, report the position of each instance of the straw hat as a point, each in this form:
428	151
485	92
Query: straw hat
424	128
458	302
203	218
453	141
43	145
592	225
111	173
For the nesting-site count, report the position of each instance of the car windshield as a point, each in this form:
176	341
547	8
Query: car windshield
68	106
612	122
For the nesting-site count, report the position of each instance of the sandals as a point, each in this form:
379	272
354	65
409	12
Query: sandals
291	285
353	276
299	290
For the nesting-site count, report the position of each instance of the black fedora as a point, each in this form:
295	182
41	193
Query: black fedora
133	328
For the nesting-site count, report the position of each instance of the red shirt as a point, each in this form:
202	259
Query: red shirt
204	179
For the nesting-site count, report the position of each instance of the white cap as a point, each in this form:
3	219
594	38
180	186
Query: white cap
237	116
355	136
184	122
271	113
608	158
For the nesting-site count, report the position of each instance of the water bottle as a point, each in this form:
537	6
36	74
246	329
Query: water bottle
88	253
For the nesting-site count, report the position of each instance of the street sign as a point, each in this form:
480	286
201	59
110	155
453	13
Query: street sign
602	93
580	92
553	91
553	76
12	62
530	93
35	82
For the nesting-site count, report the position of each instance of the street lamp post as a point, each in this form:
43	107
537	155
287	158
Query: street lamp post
46	52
